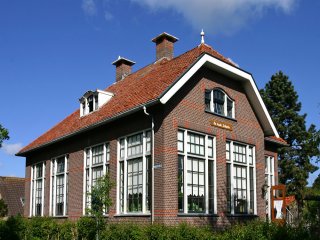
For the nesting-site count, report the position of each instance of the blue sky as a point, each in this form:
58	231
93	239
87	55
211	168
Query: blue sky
52	51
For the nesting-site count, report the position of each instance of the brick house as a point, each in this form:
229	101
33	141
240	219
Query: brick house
197	119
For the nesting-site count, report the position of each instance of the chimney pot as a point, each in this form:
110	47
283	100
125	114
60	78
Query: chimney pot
164	45
123	67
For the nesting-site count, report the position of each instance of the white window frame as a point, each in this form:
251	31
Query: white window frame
225	105
33	185
247	165
124	159
206	158
269	181
53	185
105	166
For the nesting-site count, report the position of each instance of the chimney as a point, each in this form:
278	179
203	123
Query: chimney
164	45
123	67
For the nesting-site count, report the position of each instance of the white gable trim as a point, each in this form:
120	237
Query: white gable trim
236	74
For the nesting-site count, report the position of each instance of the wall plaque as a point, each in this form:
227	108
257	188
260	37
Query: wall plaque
219	124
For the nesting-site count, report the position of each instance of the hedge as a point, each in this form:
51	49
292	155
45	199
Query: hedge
16	228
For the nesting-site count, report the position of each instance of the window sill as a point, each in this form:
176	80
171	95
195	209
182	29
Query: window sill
133	215
196	215
219	115
62	216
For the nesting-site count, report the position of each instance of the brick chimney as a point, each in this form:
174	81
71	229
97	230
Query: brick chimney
164	45
123	67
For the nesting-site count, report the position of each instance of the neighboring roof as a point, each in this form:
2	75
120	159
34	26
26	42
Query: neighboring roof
277	140
147	86
12	192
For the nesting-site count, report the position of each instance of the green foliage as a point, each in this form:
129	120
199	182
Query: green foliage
87	228
16	228
316	183
281	100
100	196
100	201
4	134
3	208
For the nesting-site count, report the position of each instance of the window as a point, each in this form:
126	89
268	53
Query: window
59	186
196	173
135	173
241	197
37	189
269	181
217	101
96	162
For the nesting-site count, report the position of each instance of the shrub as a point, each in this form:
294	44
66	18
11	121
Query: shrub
87	228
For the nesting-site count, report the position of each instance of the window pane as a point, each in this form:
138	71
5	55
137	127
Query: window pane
134	185
195	183
135	145
196	143
97	155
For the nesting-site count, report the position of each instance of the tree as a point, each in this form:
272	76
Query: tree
316	183
281	100
4	135
3	208
100	200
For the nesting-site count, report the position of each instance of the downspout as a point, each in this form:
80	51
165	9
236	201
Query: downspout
152	163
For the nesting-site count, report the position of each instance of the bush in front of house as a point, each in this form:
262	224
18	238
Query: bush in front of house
16	228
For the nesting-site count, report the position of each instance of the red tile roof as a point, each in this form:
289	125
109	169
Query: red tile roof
137	89
12	190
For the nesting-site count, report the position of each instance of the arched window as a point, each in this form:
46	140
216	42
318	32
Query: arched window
217	101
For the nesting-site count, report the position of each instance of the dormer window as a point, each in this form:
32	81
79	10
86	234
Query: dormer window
93	100
217	101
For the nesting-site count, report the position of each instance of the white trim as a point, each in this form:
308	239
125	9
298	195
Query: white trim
84	182
247	166
231	177
206	174
255	211
236	74
206	160
50	194
215	209
125	172
42	190
65	186
31	191
89	167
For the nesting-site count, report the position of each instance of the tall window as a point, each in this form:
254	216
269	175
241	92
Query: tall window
59	186
196	173
37	189
269	181
217	101
96	162
135	173
241	197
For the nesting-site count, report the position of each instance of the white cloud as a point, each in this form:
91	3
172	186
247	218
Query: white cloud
11	148
220	16
89	7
